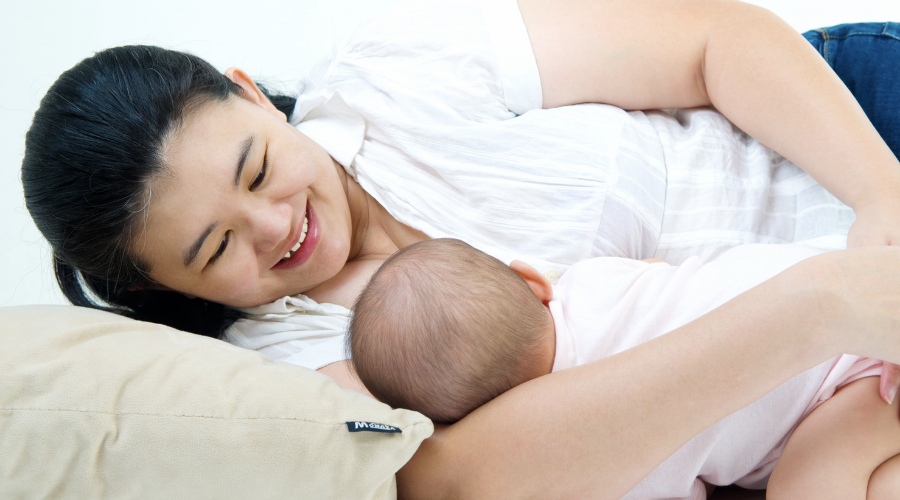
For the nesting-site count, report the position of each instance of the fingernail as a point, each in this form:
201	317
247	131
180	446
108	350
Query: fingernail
891	394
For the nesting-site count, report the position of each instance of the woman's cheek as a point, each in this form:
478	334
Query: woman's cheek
240	288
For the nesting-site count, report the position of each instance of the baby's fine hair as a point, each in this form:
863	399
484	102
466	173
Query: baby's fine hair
443	328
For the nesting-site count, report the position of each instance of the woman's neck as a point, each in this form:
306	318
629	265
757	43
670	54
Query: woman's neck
376	234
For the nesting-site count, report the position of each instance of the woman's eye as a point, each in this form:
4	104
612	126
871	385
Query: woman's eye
261	175
221	249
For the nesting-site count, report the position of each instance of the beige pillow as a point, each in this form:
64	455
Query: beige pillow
96	406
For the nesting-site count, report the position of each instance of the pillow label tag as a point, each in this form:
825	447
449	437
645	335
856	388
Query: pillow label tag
372	427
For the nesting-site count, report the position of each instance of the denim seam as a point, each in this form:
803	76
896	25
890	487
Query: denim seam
848	35
884	33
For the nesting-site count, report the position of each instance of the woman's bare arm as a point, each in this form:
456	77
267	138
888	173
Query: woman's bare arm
595	431
742	59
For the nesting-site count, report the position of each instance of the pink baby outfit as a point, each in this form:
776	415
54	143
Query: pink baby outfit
606	305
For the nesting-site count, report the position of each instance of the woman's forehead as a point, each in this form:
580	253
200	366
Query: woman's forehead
209	135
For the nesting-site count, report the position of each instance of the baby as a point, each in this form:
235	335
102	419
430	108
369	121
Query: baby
443	328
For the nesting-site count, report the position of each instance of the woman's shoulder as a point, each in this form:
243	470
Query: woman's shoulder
427	52
433	34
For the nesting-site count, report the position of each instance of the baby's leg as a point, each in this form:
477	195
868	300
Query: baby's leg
835	450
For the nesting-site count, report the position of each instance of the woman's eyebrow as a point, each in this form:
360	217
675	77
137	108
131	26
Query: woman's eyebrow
245	151
191	253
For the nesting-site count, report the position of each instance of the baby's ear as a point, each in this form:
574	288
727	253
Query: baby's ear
538	283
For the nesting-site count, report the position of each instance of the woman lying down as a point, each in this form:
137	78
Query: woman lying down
443	328
172	193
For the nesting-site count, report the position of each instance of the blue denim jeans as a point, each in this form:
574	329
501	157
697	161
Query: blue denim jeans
867	58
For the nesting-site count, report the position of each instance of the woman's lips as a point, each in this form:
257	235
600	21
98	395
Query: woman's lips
307	247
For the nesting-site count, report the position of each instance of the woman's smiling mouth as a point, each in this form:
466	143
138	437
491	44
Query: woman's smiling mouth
300	241
306	242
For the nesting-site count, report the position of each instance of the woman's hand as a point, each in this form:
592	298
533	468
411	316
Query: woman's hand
890	381
878	223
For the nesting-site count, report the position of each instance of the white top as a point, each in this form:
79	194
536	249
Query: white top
607	305
435	109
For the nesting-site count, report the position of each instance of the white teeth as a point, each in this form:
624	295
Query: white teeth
302	238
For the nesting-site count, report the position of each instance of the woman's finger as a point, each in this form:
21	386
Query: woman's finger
890	381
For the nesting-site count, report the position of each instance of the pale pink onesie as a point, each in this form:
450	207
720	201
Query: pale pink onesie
606	305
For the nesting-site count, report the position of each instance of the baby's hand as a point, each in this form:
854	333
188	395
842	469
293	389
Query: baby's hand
878	223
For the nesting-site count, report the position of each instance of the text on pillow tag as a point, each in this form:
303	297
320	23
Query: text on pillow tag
372	427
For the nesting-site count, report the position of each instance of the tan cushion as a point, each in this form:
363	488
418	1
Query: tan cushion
96	406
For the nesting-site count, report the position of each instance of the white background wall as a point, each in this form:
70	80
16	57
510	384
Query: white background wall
275	40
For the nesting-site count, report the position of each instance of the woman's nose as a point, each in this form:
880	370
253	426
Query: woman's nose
271	226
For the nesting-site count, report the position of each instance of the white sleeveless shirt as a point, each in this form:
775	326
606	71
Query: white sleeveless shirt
435	109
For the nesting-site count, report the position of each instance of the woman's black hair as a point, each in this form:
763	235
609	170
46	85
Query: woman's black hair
93	148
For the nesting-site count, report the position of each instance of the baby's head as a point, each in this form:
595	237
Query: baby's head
442	328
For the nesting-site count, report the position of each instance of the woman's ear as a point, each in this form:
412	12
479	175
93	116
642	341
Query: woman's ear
251	92
538	283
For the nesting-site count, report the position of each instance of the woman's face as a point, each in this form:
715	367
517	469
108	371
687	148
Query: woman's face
241	189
